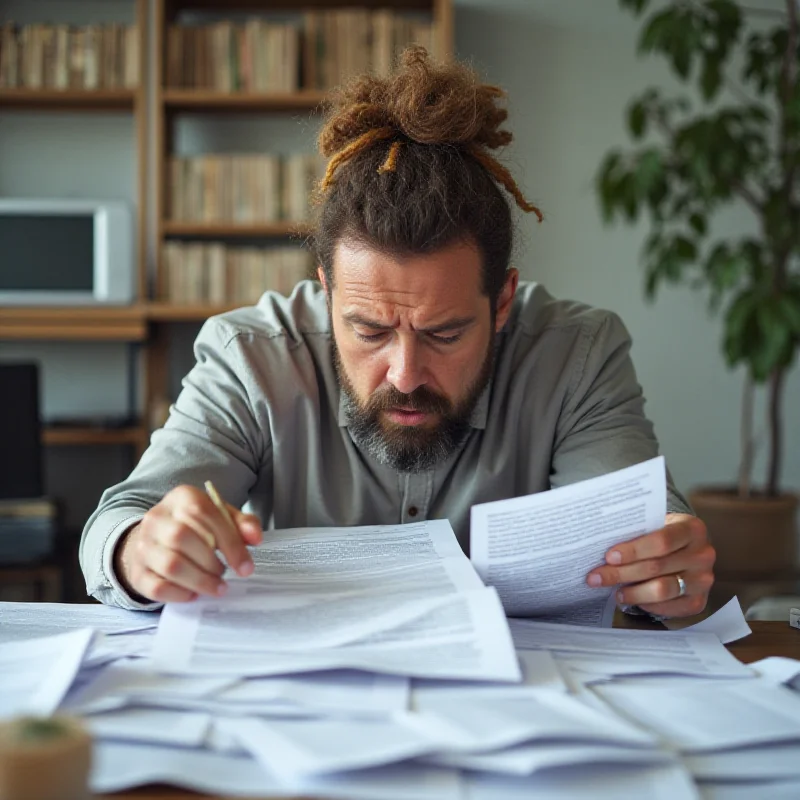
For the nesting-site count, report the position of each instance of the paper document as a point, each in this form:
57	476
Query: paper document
600	782
768	762
630	652
702	716
37	620
777	669
526	759
397	599
728	624
751	790
179	729
344	691
477	721
118	766
35	674
129	682
289	747
537	550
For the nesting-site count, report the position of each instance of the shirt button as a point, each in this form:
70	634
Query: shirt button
413	511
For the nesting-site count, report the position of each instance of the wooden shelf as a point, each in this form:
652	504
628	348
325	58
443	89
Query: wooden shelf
118	323
62	436
231	229
68	100
297	5
200	100
169	312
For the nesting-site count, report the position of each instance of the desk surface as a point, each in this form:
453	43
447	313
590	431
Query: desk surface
767	639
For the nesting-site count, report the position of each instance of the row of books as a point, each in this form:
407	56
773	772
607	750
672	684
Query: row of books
318	53
243	188
339	44
198	273
68	57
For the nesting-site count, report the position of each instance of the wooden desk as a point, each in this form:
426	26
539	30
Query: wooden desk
767	639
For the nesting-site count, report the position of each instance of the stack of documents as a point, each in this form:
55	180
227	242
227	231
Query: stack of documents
374	663
402	600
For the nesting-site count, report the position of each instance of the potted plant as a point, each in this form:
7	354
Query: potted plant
734	139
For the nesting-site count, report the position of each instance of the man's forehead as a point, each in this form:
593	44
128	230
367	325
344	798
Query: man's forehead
449	276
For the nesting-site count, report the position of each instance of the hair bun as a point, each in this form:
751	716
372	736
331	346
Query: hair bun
425	101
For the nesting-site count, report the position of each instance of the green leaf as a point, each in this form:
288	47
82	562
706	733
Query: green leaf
710	79
637	6
637	120
698	224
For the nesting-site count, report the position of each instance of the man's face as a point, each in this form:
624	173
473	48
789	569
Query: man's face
413	348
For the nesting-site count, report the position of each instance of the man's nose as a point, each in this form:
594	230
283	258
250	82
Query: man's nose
406	370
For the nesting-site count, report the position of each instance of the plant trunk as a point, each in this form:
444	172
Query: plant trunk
746	435
775	432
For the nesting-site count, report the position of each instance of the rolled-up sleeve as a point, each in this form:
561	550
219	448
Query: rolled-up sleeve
211	434
602	426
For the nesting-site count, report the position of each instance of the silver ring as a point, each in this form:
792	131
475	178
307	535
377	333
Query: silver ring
681	586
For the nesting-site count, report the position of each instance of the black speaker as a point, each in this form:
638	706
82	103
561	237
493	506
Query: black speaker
20	432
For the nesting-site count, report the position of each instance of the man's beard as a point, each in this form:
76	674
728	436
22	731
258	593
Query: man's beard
410	448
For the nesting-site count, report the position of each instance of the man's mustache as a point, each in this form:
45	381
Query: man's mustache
421	399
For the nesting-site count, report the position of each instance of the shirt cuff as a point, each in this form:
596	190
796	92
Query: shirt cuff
112	592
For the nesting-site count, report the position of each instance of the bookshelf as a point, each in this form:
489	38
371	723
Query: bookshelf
68	100
183	90
58	94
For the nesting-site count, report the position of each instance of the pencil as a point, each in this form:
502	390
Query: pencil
223	509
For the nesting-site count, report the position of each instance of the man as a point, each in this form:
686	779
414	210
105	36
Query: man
418	378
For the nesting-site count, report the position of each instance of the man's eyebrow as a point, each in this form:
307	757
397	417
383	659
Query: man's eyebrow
355	318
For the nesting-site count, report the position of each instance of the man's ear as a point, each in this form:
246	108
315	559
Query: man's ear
321	276
506	298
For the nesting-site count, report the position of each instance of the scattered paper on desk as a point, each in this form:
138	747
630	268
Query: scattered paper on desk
611	652
399	599
290	747
477	721
36	674
153	725
704	716
766	762
128	682
776	669
19	621
599	782
526	759
537	550
728	624
118	766
345	691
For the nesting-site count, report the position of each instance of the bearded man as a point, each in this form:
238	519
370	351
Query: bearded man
417	378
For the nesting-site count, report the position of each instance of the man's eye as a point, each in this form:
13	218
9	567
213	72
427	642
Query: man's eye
374	337
445	339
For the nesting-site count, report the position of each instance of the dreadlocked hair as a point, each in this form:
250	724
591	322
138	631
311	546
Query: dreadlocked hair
410	169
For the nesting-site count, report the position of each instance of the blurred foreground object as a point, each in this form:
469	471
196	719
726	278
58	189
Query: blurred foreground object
46	759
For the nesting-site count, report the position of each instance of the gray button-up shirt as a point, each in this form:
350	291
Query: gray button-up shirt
260	415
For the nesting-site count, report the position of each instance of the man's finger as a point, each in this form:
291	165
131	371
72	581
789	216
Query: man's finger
179	536
665	588
657	544
177	569
198	511
156	587
249	525
684	560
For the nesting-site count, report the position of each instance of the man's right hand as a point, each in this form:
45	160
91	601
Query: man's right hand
166	557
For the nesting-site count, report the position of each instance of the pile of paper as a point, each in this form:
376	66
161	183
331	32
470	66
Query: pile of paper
374	663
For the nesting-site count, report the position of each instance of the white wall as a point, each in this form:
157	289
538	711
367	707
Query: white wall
570	70
569	77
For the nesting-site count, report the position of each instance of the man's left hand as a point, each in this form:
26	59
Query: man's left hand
647	569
